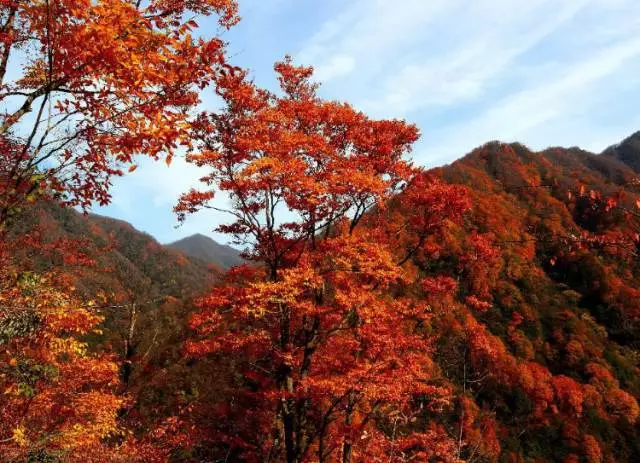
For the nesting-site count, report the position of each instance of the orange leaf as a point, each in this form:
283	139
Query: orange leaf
132	168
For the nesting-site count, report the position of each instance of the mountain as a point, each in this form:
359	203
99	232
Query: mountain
124	260
547	367
540	342
204	248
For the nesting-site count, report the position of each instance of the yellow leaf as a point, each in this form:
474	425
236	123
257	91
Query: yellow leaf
19	436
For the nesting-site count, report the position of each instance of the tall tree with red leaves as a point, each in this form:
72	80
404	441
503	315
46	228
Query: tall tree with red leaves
330	348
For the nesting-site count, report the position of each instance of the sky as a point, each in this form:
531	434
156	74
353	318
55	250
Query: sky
541	72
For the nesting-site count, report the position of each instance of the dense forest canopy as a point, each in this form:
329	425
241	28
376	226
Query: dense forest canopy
483	311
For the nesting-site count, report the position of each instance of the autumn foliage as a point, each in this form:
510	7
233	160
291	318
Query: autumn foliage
86	86
485	311
327	357
58	397
101	82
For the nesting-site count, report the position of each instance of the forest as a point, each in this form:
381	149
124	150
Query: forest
483	311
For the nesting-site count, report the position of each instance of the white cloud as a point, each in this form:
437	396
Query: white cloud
414	53
368	31
149	194
556	97
498	34
338	66
468	72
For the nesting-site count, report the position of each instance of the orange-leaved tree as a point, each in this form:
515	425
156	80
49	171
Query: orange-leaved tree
58	399
331	356
87	85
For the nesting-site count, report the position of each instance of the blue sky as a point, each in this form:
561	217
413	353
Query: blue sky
542	72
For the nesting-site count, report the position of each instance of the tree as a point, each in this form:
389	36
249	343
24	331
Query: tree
331	353
101	82
58	398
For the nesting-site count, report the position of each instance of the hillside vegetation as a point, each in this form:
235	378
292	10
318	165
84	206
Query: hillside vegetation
484	311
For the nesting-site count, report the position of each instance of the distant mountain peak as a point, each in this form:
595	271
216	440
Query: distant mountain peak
627	151
633	136
205	248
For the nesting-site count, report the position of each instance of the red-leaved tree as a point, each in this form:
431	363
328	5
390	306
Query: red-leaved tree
330	350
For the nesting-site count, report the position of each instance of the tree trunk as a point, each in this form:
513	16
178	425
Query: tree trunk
347	445
287	404
127	367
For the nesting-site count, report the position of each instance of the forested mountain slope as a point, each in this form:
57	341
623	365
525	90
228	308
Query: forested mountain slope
544	354
125	261
627	152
